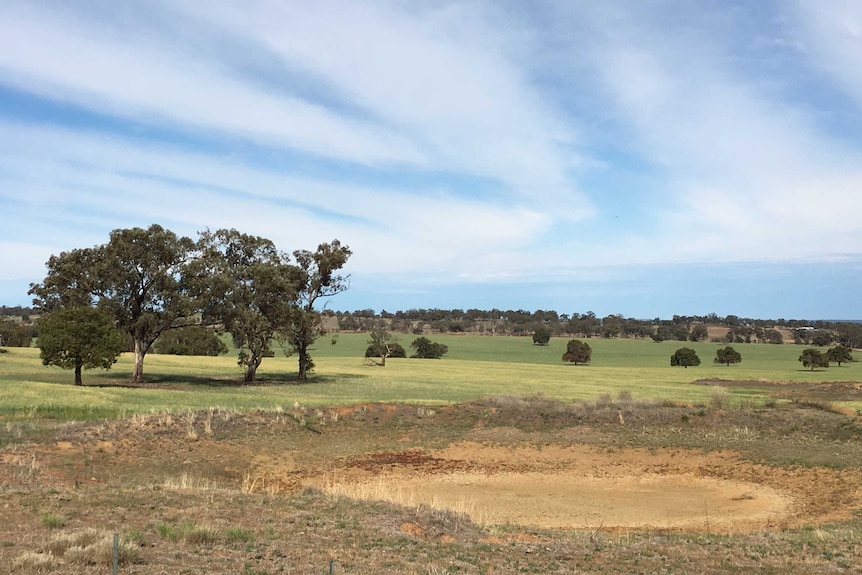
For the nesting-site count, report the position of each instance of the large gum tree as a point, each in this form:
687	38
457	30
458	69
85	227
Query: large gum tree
140	278
247	285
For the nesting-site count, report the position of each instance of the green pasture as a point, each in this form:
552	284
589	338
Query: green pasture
475	367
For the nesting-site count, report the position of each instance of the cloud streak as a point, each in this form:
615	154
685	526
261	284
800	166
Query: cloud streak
472	144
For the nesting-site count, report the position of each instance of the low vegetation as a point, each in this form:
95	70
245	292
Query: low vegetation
201	471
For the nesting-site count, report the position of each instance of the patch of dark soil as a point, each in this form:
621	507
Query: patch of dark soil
414	459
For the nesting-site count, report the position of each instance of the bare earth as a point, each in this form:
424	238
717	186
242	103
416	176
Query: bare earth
583	487
525	473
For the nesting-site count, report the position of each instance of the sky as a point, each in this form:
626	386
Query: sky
644	158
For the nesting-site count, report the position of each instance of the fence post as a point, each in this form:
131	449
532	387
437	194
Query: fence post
332	567
116	553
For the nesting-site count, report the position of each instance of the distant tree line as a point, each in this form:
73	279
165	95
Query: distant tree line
544	324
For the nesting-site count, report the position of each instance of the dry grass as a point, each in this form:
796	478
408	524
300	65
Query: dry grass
34	563
87	547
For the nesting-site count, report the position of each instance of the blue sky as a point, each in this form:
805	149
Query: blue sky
644	158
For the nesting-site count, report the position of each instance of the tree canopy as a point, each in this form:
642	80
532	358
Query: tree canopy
577	352
685	357
427	349
190	340
541	335
150	281
317	279
79	337
839	354
244	283
727	355
383	344
139	278
813	358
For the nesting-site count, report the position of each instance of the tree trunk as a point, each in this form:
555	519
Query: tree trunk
302	351
140	352
251	366
78	380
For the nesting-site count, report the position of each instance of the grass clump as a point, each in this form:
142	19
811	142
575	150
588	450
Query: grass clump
188	532
34	563
201	536
720	398
91	547
52	521
238	535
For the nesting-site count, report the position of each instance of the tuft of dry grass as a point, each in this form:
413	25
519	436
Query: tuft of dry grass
720	398
34	563
90	547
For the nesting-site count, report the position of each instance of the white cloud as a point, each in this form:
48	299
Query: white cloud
748	175
147	79
105	182
459	142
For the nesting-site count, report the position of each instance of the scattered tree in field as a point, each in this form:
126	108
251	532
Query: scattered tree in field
839	354
244	283
427	349
773	336
727	355
822	337
698	333
382	345
317	279
13	334
140	278
813	358
685	357
79	337
577	352
541	335
190	340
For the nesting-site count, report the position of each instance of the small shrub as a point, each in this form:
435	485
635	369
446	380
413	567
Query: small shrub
169	532
239	535
52	521
135	536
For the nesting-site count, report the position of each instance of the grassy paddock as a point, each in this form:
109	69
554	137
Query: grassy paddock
475	367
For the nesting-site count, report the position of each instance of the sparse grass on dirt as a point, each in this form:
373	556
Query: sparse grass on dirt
199	473
250	496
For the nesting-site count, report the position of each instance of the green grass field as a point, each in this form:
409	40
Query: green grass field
476	366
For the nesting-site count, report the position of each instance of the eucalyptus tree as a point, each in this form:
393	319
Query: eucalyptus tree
685	357
577	352
727	355
140	278
812	358
248	286
317	278
839	354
